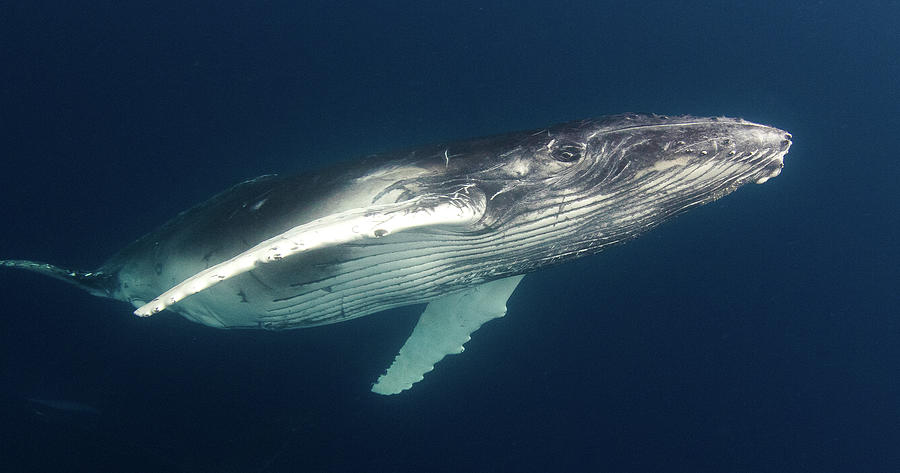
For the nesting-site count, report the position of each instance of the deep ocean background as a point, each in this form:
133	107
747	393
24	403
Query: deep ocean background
759	333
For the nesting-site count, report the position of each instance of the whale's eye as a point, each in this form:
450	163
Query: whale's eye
567	152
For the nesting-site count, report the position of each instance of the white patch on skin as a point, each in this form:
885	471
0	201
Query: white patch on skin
370	185
520	167
700	170
393	174
259	204
663	165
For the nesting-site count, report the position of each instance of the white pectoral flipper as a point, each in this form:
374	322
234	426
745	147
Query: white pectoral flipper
376	221
443	328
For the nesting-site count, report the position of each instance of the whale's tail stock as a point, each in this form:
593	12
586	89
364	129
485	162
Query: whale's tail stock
97	283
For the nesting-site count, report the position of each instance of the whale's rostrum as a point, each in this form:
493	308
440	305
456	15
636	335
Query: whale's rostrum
455	225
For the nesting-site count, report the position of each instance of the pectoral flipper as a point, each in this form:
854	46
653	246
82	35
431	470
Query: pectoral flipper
443	329
352	225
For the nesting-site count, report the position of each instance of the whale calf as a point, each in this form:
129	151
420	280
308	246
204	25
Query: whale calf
453	225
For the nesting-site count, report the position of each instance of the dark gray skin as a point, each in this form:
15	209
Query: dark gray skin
545	196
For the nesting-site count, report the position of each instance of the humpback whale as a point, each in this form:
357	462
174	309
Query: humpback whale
453	225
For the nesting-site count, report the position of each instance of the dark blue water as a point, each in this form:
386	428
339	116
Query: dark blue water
759	333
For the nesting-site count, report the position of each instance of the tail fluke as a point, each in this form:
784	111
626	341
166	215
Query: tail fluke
97	283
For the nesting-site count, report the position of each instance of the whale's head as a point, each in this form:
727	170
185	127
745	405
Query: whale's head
663	154
584	185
